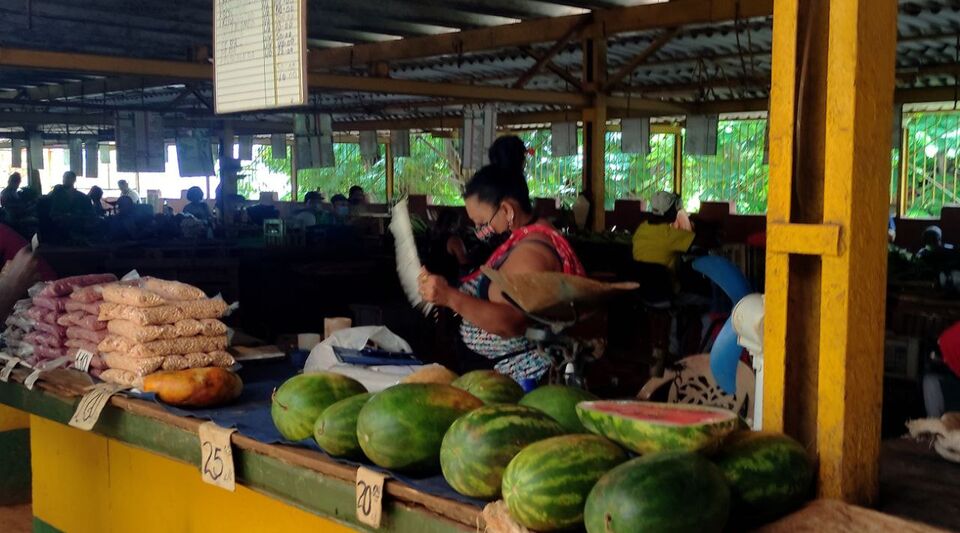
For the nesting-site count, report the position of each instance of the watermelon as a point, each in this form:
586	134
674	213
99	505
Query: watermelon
489	386
769	474
480	444
647	427
336	429
674	492
560	402
402	427
546	484
297	404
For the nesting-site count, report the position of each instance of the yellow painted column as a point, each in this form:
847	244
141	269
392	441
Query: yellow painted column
860	84
830	118
86	483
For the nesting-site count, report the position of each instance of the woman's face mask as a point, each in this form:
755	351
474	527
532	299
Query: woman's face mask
485	232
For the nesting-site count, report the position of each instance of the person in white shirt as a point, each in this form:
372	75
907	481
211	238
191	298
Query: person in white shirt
125	190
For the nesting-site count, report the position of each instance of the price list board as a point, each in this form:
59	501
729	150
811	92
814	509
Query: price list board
260	54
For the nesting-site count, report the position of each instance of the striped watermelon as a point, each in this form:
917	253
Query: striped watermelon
679	492
336	429
480	444
297	404
402	427
769	475
546	484
647	427
560	402
489	386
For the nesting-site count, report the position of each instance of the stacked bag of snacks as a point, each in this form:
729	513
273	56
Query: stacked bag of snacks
49	337
155	325
19	325
84	329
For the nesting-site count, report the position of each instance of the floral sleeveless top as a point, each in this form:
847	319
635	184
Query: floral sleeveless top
517	357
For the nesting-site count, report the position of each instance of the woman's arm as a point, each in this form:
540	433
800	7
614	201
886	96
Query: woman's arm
495	315
17	276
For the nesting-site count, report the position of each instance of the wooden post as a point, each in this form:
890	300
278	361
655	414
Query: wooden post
294	183
833	69
595	125
388	154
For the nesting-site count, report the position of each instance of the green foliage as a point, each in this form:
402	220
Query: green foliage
433	169
737	173
932	143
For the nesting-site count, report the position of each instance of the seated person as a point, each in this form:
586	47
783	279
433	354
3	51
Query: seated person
933	247
657	245
10	196
341	206
96	200
69	211
357	199
197	208
310	214
256	214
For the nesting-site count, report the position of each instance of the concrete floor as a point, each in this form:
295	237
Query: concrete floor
16	519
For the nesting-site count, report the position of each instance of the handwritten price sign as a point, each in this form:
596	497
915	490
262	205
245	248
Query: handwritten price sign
82	360
8	369
92	404
370	496
216	456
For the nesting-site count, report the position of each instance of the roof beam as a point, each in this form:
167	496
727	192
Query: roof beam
636	18
12	57
547	56
640	58
399	10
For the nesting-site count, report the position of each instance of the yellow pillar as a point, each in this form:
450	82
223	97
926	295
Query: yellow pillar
833	73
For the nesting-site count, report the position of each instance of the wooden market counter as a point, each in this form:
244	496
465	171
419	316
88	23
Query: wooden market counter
138	470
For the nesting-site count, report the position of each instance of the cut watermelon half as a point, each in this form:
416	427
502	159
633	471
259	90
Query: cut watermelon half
648	427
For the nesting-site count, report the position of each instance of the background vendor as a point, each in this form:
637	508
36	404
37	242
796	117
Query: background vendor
498	202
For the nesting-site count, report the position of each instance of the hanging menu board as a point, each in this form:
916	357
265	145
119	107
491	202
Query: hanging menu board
260	54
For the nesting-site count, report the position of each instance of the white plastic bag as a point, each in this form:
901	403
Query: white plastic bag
374	378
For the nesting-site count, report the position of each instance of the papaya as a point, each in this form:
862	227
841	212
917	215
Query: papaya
431	374
196	387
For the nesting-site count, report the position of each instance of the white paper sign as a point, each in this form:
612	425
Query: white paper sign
82	360
216	456
370	496
43	367
8	369
259	54
91	405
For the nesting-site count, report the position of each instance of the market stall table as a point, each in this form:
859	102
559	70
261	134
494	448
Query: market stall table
139	468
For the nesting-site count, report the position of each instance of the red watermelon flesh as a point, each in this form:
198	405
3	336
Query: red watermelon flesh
647	427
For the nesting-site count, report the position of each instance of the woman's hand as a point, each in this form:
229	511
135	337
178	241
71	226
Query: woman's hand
22	270
435	289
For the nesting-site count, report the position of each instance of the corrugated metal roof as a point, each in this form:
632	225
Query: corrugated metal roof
716	62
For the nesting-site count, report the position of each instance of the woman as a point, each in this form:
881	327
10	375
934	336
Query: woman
197	208
498	201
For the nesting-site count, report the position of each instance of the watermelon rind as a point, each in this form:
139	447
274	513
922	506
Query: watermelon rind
668	492
300	400
769	474
649	435
490	386
560	402
546	484
401	428
480	444
336	429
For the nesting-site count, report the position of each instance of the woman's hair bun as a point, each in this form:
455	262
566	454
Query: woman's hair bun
508	153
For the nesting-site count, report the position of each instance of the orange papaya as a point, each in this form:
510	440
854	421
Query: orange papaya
196	387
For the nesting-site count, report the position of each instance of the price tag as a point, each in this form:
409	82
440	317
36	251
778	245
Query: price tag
92	404
82	360
370	496
216	456
43	367
8	369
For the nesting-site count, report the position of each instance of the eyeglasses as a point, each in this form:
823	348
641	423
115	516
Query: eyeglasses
482	230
